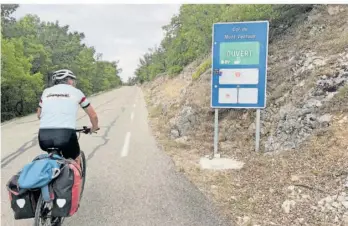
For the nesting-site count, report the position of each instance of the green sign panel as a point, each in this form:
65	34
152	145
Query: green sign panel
239	53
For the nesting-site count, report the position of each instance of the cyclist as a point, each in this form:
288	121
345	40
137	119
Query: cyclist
57	112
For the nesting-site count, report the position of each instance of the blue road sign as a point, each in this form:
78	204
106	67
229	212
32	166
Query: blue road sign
239	64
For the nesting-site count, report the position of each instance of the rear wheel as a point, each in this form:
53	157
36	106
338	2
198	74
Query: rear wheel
39	207
43	216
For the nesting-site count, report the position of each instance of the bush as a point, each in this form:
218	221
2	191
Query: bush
202	68
174	70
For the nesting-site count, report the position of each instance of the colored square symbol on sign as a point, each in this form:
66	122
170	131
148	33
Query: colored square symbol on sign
237	74
227	95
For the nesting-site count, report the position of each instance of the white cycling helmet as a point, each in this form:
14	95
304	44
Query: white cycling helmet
61	74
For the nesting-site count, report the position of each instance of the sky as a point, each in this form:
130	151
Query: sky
120	32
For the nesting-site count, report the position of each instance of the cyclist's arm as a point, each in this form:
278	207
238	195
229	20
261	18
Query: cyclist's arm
39	108
86	105
92	116
38	112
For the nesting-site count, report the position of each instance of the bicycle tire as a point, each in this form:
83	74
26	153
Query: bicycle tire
38	211
83	163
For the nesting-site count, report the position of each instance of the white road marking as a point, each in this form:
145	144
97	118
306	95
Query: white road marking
125	148
132	116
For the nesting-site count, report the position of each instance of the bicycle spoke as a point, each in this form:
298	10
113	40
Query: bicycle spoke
45	217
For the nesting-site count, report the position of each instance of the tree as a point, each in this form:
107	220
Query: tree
17	85
188	36
32	49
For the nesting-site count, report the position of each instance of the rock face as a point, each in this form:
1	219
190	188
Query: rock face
336	205
333	10
297	123
345	219
332	205
287	205
287	121
184	122
294	127
174	133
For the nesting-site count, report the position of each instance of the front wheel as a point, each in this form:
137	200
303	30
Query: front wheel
83	167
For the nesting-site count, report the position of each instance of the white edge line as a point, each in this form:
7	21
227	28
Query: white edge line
125	148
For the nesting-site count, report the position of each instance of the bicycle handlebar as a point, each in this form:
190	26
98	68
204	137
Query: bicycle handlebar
85	130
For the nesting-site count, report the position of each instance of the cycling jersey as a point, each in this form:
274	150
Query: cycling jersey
59	106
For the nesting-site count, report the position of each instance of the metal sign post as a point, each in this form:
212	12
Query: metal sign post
239	69
216	132
257	135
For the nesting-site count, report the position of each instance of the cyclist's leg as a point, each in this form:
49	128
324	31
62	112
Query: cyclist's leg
72	147
72	150
46	139
76	149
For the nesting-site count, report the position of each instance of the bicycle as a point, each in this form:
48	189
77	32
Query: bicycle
42	217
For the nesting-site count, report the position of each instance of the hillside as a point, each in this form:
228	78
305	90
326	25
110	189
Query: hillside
300	177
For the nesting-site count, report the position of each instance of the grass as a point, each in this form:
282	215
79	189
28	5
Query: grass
155	111
339	101
342	93
174	144
325	70
172	88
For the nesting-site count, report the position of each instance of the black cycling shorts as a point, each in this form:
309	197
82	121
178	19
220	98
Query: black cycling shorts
63	139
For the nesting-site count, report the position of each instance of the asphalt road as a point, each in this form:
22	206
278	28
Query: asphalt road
129	180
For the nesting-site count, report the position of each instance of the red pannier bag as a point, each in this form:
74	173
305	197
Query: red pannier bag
67	188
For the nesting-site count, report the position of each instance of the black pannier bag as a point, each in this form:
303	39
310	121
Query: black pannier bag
23	201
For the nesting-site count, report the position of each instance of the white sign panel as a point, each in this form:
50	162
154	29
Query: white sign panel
247	95
239	76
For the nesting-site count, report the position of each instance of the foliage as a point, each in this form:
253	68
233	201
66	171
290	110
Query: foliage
188	36
32	49
202	68
131	81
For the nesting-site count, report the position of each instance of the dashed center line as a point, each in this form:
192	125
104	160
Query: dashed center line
125	148
132	116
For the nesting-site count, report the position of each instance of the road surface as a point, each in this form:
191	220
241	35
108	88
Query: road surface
129	181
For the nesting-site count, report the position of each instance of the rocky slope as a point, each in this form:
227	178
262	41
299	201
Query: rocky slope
300	177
